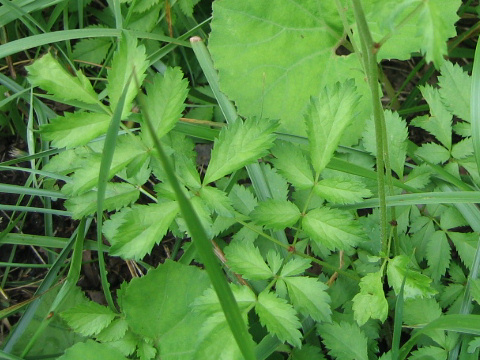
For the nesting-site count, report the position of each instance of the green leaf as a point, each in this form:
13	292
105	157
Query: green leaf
165	99
345	341
462	149
423	311
88	318
75	129
48	74
274	261
474	345
93	351
455	88
370	302
146	351
117	196
93	51
342	190
276	214
139	228
327	117
429	352
419	177
416	284
217	201
475	290
277	184
127	58
438	255
434	153
187	8
245	259
292	163
295	266
238	145
439	123
333	228
113	332
307	352
309	297
209	304
437	18
142	6
397	136
168	319
279	318
466	246
243	199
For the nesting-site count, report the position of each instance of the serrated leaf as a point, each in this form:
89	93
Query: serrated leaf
88	318
434	153
419	177
292	163
49	75
243	199
437	18
429	352
327	117
345	341
333	228
117	195
397	136
144	5
295	266
438	255
168	319
165	99
274	261
416	284
342	190
276	214
238	145
462	149
93	351
474	345
217	201
276	182
209	304
279	318
141	228
245	259
307	352
113	332
475	290
309	297
370	302
439	123
75	129
127	58
423	311
146	351
455	89
466	246
187	6
92	51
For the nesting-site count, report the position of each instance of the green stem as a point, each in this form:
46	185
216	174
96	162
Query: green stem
370	65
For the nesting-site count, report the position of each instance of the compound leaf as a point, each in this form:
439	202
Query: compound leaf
309	297
295	266
370	302
140	228
438	255
342	190
240	144
276	214
345	341
455	89
48	74
293	165
245	259
127	59
434	153
333	228
279	318
327	117
88	318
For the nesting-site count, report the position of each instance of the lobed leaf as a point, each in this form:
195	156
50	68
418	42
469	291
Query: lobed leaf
345	341
455	89
438	255
245	259
293	164
370	302
93	351
295	266
434	153
240	144
276	214
88	318
342	190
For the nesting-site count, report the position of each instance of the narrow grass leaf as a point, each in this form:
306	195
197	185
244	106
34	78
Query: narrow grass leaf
238	145
327	117
48	74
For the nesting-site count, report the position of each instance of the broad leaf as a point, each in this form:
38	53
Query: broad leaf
165	101
309	297
423	311
333	228
88	318
113	332
127	59
345	341
438	255
295	266
48	74
238	145
466	245
416	284
293	164
462	149
92	51
245	259
168	319
277	184
327	117
243	199
93	351
139	228
276	214
342	190
455	89
370	302
434	153
279	318
217	201
117	196
75	129
209	304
